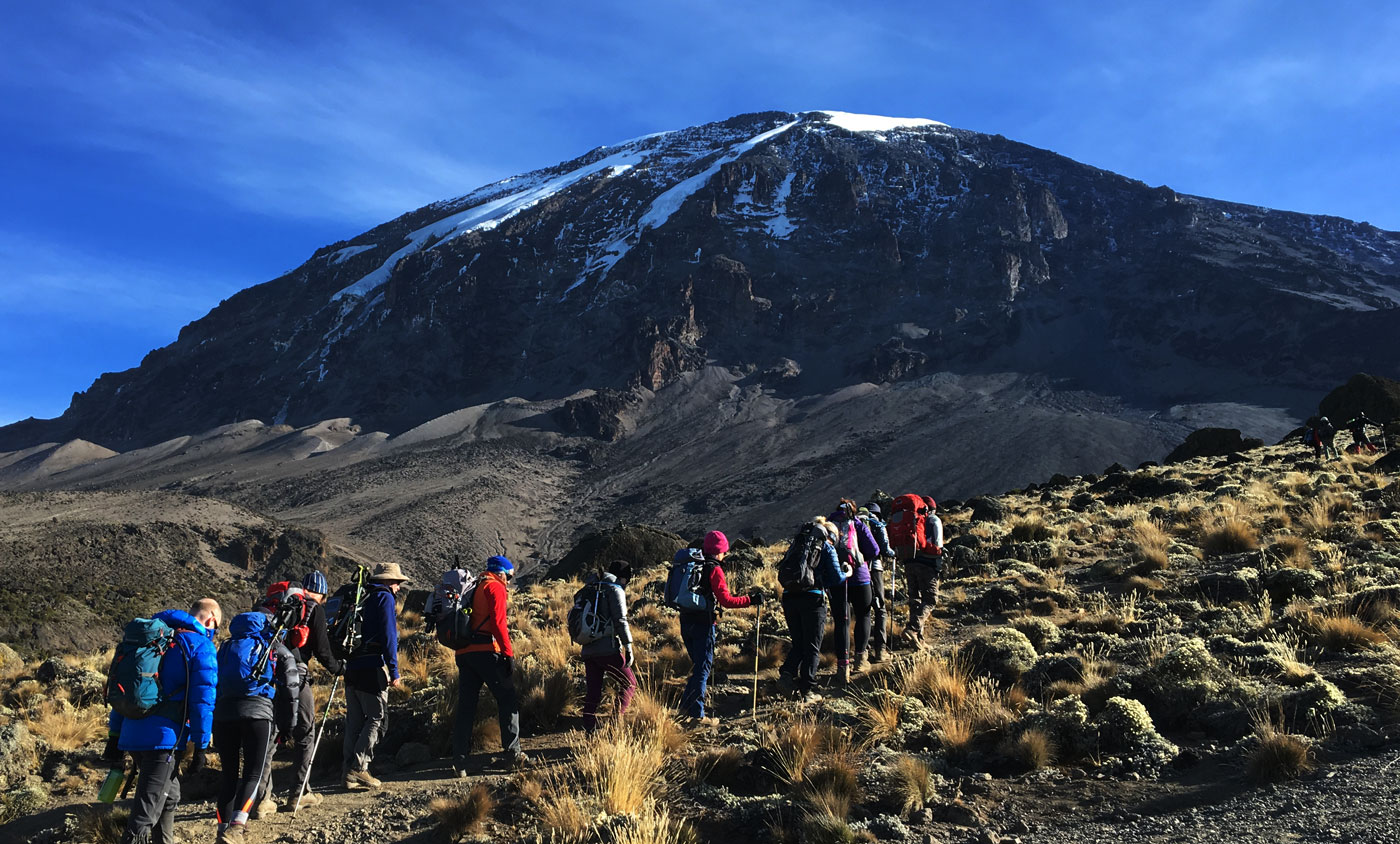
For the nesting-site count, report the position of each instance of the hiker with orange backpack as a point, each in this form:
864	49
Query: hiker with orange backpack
161	689
916	535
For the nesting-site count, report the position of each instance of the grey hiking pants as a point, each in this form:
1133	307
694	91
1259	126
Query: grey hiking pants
152	818
366	718
879	614
922	583
302	735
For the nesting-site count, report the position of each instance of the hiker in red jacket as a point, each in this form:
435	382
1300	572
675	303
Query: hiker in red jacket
698	627
488	660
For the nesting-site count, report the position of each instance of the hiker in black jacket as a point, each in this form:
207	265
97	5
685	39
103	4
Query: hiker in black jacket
1357	427
303	722
1327	435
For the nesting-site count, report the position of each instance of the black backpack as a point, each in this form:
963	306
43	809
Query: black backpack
345	612
797	570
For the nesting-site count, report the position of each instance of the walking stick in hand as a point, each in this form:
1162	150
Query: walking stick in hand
316	743
756	622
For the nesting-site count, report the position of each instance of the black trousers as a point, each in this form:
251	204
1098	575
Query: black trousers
152	818
806	620
303	732
250	739
473	671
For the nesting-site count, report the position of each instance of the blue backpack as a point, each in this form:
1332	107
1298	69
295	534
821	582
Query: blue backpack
686	589
243	669
133	682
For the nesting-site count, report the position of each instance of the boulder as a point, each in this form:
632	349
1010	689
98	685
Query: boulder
1378	397
1228	587
16	754
1212	442
641	545
413	753
1283	585
988	509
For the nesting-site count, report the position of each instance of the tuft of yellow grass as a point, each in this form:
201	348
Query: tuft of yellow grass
1337	632
912	783
1150	543
1230	534
463	814
66	727
653	825
1032	750
1279	755
1031	528
620	768
831	788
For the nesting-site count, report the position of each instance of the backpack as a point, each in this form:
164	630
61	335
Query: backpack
1311	438
133	681
797	570
849	547
290	611
686	586
345	610
246	661
906	524
450	609
589	619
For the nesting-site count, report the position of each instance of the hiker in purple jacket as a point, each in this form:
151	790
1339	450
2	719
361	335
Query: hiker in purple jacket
853	600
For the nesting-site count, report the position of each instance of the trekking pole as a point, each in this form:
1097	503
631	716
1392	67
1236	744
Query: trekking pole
316	743
758	620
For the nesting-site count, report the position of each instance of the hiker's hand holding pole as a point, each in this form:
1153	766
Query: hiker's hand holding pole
756	597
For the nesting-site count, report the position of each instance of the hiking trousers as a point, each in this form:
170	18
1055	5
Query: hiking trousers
302	734
805	613
859	598
922	582
152	818
474	670
840	624
250	738
366	719
879	612
596	670
698	634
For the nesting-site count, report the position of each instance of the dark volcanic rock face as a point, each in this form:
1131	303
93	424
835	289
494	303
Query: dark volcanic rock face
858	254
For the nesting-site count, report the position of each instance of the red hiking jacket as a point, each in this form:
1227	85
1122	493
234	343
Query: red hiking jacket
489	616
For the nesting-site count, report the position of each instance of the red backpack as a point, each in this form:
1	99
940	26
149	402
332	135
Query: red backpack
289	607
906	524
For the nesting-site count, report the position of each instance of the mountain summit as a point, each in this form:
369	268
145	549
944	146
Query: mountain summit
814	250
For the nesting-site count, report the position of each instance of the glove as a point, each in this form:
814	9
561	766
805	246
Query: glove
507	665
197	763
111	754
877	602
846	571
755	597
339	670
631	658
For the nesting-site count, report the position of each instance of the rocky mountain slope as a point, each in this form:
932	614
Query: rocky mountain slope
822	249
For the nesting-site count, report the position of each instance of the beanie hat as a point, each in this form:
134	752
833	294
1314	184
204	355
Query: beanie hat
928	500
873	509
499	564
315	582
715	543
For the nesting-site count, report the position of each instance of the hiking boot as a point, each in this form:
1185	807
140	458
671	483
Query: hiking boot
518	759
877	656
810	697
356	780
310	798
858	664
266	808
235	834
786	684
843	675
460	773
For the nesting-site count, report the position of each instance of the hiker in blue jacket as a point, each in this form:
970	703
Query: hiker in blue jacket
188	677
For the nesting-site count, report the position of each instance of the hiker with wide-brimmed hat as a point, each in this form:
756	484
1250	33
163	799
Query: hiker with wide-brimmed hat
369	672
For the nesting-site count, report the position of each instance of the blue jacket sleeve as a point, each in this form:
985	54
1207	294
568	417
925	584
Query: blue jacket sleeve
391	631
830	570
203	688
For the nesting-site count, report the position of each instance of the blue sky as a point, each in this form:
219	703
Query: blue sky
158	156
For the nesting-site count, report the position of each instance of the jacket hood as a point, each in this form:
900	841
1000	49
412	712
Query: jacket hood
250	624
181	620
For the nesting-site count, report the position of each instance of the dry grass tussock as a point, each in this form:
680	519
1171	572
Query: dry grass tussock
66	727
1229	533
654	825
1279	755
619	768
1149	542
831	788
1324	512
462	814
797	745
717	763
912	783
1032	750
101	825
1338	632
1031	528
651	717
1291	551
964	709
879	718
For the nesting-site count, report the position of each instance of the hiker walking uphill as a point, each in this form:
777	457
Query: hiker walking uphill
806	572
700	600
1326	438
851	601
161	689
916	535
243	717
369	672
879	598
485	657
297	704
599	623
1357	425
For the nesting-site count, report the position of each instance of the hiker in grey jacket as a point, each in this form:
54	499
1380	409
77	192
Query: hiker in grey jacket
610	656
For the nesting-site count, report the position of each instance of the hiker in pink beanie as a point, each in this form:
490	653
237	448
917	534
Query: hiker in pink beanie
698	626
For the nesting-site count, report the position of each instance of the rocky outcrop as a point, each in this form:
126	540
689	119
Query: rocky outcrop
640	545
1378	397
1212	442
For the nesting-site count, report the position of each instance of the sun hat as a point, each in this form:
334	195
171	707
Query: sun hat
388	573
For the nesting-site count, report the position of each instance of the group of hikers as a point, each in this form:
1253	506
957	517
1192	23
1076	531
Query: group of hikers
171	689
1321	436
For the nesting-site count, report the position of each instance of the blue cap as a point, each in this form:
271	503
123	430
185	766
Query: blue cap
499	564
315	582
